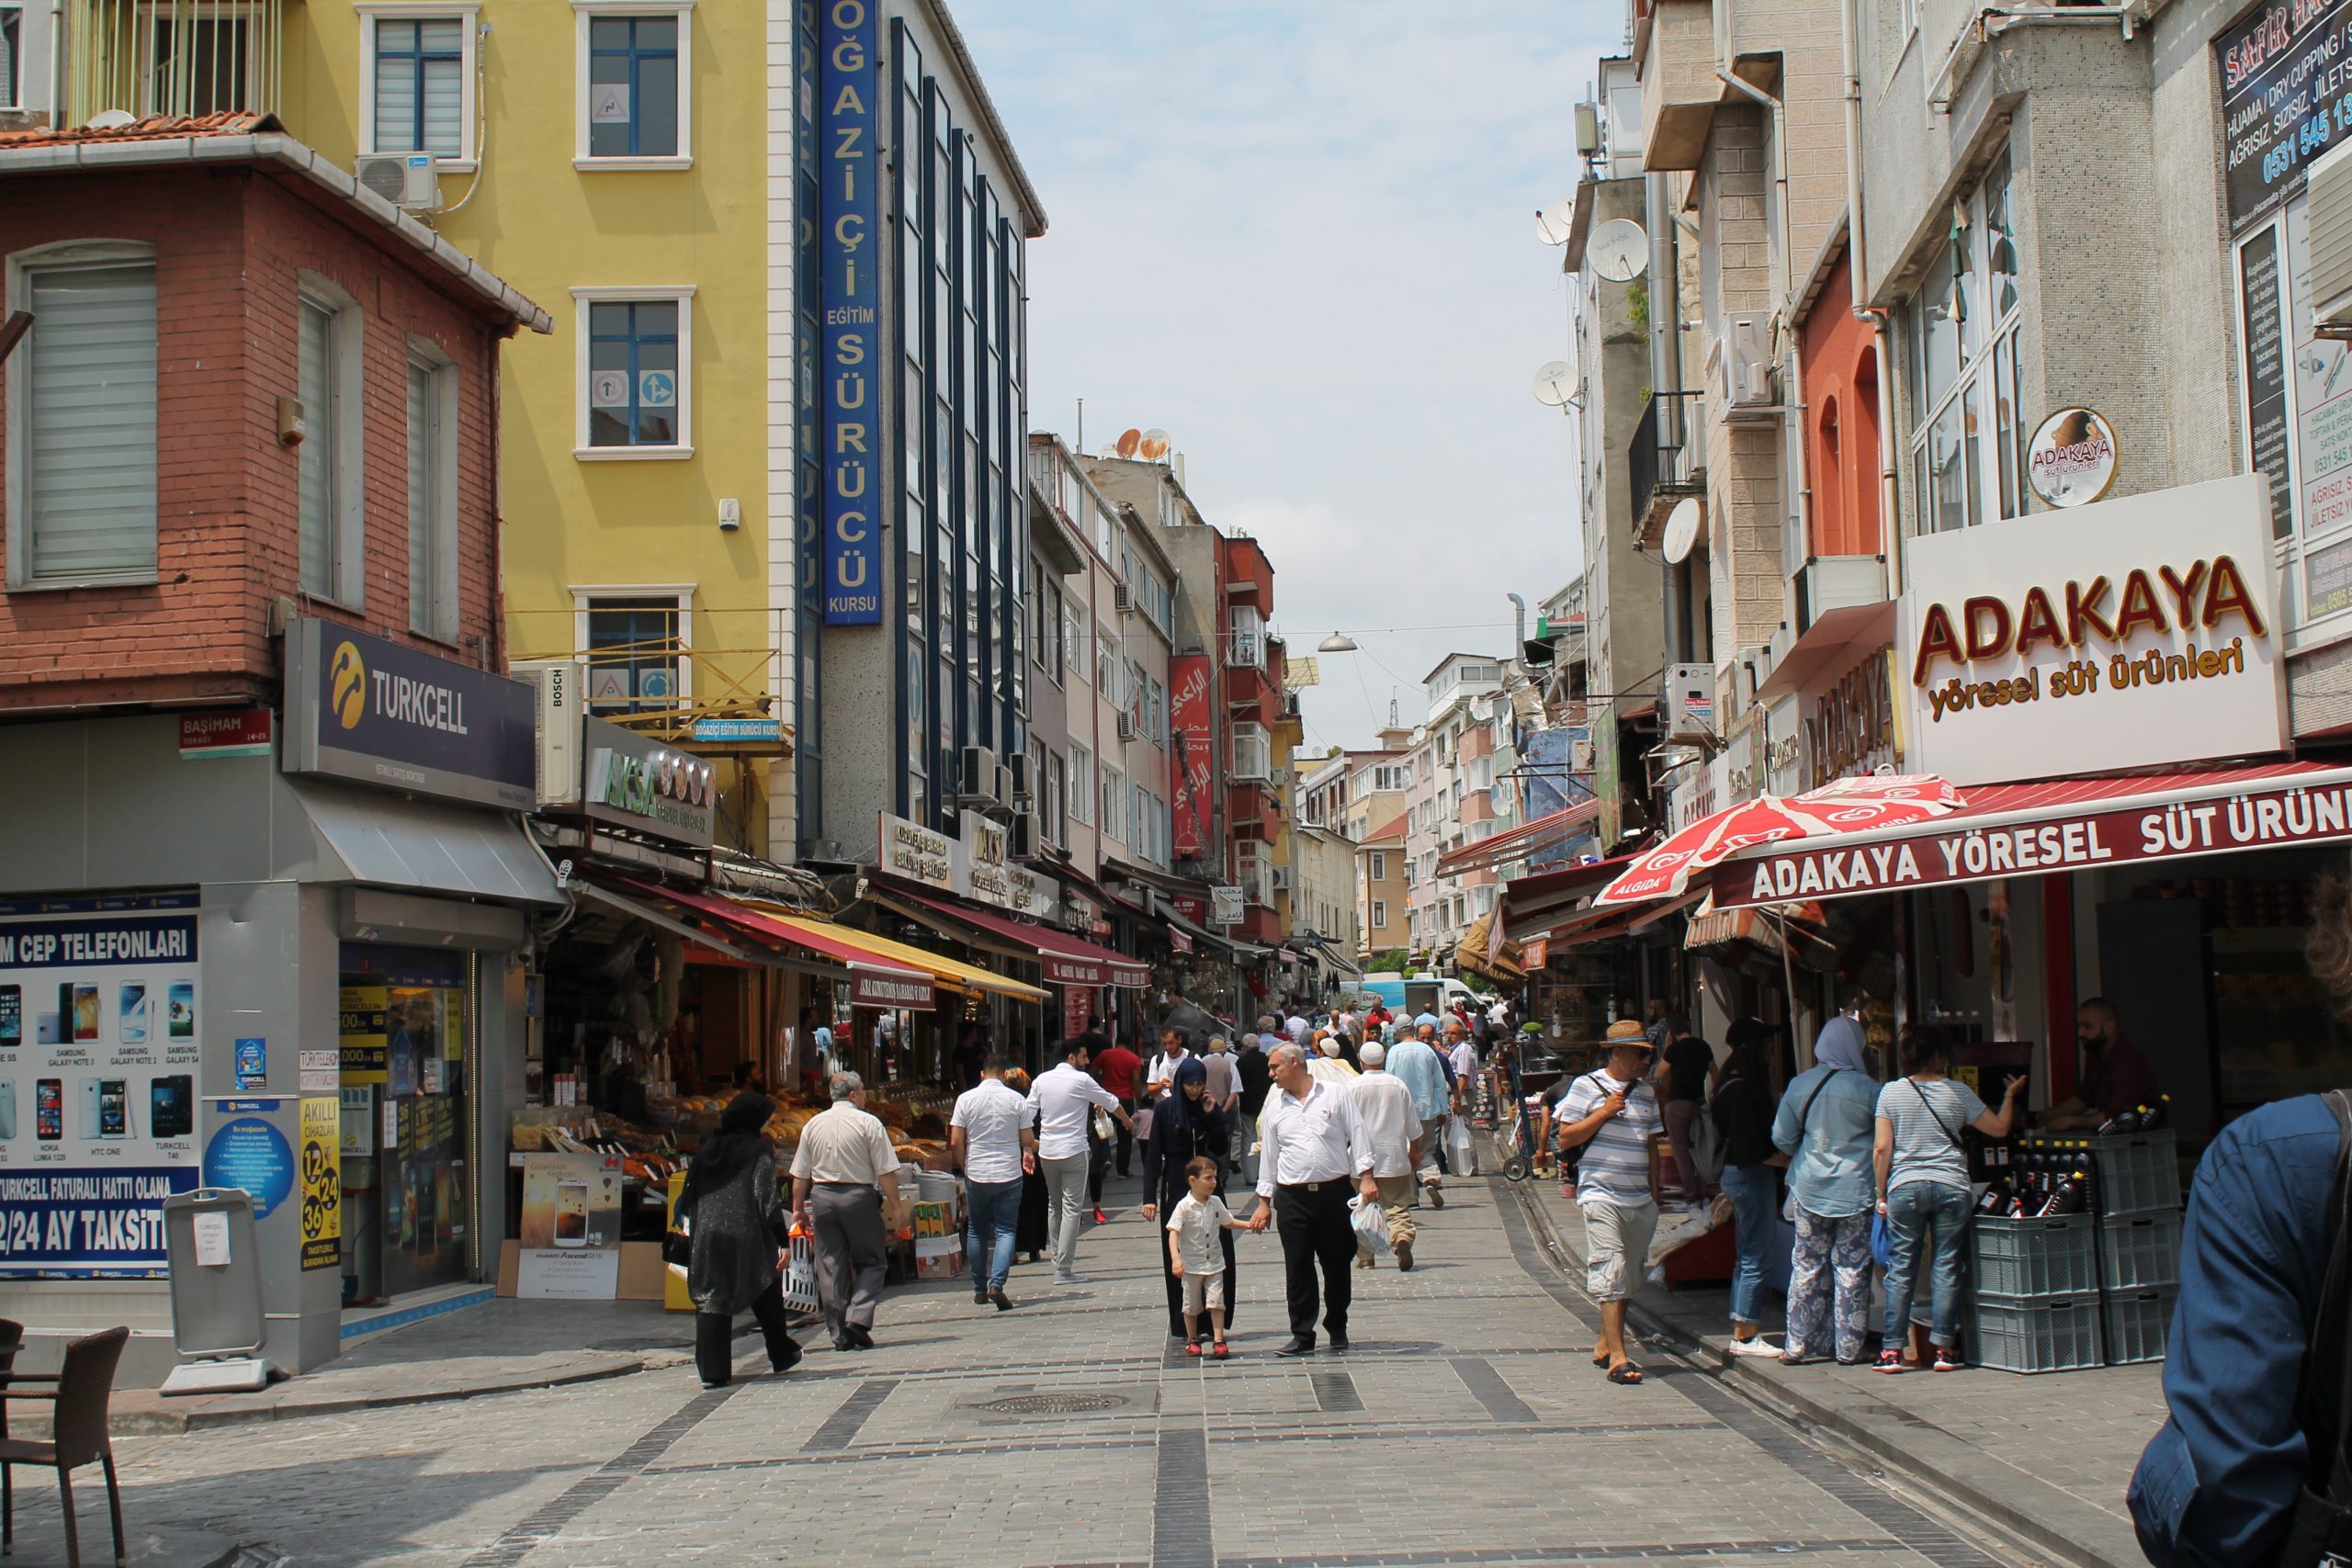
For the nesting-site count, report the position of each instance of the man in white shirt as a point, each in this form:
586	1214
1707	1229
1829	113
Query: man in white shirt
1462	1055
1314	1155
837	1175
1066	1098
1391	1130
989	1137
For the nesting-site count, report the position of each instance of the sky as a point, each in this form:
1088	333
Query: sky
1301	239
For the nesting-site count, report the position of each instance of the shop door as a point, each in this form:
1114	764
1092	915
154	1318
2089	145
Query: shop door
409	1021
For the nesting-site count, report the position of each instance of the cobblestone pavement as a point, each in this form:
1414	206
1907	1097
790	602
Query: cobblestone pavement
1465	1427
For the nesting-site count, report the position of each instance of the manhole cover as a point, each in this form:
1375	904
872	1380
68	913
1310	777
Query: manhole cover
1054	1404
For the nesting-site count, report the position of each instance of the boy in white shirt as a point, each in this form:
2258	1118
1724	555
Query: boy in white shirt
1196	1254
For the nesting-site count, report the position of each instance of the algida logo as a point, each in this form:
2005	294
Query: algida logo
347	685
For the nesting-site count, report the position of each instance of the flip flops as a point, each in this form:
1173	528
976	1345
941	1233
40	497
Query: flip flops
1626	1372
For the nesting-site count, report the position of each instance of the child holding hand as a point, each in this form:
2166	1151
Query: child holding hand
1196	1254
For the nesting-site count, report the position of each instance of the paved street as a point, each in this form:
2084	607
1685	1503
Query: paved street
1464	1428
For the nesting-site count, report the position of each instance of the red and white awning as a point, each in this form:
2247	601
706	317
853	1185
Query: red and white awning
2056	825
1518	843
1843	807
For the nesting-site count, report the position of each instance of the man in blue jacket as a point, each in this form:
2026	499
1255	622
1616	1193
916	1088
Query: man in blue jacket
2216	1486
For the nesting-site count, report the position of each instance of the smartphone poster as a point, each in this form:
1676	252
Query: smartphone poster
570	1228
99	1046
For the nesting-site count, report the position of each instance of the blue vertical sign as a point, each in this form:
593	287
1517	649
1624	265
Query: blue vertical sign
849	255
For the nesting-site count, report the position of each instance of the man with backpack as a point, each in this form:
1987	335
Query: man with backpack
1610	1118
2249	1470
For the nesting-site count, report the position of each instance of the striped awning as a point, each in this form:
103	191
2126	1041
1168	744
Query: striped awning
1518	843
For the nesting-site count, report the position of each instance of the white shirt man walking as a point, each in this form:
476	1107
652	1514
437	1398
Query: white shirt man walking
837	1172
1065	1098
1314	1155
989	1136
1391	1130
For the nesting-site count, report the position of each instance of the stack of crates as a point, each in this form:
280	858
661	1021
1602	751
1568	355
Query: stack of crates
2036	1299
2136	1182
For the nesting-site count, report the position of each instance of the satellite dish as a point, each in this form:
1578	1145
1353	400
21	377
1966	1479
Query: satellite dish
1129	440
1682	530
1155	444
111	119
1553	223
1556	383
1618	250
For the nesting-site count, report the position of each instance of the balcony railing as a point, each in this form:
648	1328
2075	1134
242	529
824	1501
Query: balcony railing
649	673
177	58
1655	470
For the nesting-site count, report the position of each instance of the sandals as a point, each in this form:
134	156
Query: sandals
1217	1351
1602	1361
1626	1372
1192	1348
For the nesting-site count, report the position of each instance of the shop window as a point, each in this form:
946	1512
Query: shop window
432	495
636	359
634	86
1962	344
418	64
81	411
329	491
636	653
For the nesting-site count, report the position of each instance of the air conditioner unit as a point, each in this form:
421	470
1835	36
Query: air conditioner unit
410	181
1123	597
1004	785
1753	662
1689	702
1127	727
1282	879
1739	369
1587	130
1025	777
976	773
1020	837
563	688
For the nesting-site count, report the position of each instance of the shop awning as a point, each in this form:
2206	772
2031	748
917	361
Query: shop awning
1067	960
1165	907
1754	924
423	846
952	973
874	980
1533	906
1518	843
2057	825
1479	954
638	909
1833	644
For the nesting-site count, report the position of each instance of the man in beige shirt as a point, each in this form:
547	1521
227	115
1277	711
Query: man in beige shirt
837	1172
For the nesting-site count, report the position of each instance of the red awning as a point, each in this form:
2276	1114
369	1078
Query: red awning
1515	844
871	975
1533	906
1068	960
2057	825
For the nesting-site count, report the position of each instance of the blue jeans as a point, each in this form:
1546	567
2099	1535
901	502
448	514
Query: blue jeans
1751	1188
993	1211
1920	1216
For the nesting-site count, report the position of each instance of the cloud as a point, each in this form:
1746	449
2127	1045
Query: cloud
1300	238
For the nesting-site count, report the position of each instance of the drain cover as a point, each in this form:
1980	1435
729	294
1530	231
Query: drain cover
1054	1404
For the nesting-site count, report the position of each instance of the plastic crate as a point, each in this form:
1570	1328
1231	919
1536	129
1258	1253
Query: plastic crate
2135	1325
2140	1252
2055	1334
2028	1259
2138	1173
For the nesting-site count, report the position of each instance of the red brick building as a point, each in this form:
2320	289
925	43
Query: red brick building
1253	702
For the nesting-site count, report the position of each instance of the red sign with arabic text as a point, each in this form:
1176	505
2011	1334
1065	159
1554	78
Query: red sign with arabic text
1189	711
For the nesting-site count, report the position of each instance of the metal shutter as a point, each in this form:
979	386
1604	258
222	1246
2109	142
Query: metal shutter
91	382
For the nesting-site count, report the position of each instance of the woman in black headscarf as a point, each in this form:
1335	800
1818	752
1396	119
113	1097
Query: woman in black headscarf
1183	1126
1029	1235
736	1215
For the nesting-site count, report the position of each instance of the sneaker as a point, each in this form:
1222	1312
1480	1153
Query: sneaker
1191	1347
1071	1279
1404	1256
1004	1303
1219	1351
1946	1362
1755	1347
1436	1194
1890	1362
979	1298
1099	1218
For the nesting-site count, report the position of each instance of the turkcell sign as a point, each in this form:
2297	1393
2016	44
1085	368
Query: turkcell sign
849	256
361	708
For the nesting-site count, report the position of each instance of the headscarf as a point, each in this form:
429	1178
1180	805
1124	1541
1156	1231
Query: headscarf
1841	1044
729	1151
1179	1119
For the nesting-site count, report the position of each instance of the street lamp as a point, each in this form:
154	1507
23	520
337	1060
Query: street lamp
1338	642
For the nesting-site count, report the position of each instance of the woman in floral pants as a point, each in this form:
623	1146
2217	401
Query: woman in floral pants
1826	1124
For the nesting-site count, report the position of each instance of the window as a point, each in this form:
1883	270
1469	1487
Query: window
1057	785
1082	784
80	406
1483	898
1047	642
1252	865
1114	803
636	359
1074	636
329	498
1248	638
1379	866
1251	758
1380	913
418	63
1106	663
635	85
1967	444
636	642
432	495
12	56
1155	712
200	64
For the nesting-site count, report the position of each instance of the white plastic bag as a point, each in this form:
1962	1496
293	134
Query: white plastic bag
1372	1224
1459	1148
800	1275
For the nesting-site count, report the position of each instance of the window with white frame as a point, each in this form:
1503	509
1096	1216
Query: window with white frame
1082	784
198	62
1047	642
1075	639
1114	803
1106	533
637	640
1253	866
1054	801
432	493
635	84
1967	444
1380	913
1249	649
1483	897
417	75
1379	866
1252	755
12	56
329	464
1106	663
81	407
635	350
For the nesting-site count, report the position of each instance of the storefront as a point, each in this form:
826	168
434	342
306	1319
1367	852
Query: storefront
178	942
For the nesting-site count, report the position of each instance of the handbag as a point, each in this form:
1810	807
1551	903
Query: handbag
2320	1530
678	1244
1882	1242
800	1271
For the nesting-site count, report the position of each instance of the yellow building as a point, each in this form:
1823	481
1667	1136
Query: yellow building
619	161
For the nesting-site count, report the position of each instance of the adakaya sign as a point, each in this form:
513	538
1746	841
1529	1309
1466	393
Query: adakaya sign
359	708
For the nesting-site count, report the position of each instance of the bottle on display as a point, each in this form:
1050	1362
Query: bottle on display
2152	1117
2071	1196
2000	1201
2122	1122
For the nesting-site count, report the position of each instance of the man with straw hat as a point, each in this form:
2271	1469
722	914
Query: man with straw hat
1612	1115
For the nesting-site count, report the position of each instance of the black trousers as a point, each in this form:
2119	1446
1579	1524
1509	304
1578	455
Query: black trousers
1313	1217
715	1336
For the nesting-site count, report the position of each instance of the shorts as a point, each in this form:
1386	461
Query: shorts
1617	1242
1203	1293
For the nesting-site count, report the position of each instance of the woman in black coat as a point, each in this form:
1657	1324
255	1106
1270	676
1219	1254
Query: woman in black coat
1030	1236
1183	1126
735	1215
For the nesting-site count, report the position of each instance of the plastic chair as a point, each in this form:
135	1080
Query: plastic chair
83	1389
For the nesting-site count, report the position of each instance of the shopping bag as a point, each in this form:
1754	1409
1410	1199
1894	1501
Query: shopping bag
800	1272
678	1246
1372	1224
1459	1148
1707	1147
1882	1243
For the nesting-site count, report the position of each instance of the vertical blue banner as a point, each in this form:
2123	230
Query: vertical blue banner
849	255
